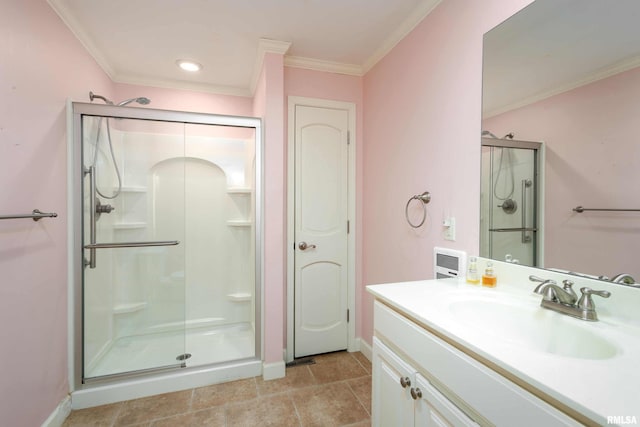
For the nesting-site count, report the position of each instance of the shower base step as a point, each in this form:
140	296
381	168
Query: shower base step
240	297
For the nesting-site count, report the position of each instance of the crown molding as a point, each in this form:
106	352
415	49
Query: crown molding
321	65
616	68
266	46
74	26
419	13
183	85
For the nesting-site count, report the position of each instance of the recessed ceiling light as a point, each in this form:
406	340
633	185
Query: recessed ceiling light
188	65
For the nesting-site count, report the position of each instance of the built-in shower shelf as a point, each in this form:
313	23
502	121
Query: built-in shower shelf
239	223
239	190
240	297
129	225
129	189
134	189
129	308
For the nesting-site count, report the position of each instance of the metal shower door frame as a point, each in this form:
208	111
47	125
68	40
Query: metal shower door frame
77	247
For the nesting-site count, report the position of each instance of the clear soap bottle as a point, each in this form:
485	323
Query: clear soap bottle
489	278
472	271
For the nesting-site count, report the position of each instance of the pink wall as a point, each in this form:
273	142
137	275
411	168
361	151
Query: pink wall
422	132
185	100
592	160
41	65
336	87
270	100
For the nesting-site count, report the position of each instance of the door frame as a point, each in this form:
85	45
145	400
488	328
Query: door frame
350	107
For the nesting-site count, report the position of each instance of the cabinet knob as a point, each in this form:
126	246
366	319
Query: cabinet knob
405	382
416	393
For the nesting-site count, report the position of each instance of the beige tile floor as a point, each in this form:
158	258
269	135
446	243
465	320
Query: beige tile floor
336	391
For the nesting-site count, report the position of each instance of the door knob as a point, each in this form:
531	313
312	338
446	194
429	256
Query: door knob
303	246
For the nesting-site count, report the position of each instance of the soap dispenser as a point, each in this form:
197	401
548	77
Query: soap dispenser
472	271
489	278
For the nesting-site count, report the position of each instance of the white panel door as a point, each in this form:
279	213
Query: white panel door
321	171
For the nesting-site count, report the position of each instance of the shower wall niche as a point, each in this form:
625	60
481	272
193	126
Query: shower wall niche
170	306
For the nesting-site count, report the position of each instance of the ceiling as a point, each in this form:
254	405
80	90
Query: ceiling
139	41
551	47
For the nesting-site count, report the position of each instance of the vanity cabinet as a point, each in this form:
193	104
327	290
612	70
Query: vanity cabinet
403	397
456	389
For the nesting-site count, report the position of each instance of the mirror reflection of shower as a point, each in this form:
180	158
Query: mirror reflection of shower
508	205
509	185
140	100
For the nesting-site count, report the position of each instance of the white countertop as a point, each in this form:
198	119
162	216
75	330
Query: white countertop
597	388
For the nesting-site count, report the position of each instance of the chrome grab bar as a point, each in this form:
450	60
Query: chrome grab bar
94	246
580	209
35	214
506	230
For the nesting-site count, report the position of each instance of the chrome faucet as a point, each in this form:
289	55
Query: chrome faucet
624	278
564	300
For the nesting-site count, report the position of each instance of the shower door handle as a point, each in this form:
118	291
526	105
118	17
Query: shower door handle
92	215
94	246
525	184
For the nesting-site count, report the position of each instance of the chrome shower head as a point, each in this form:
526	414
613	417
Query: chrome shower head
141	100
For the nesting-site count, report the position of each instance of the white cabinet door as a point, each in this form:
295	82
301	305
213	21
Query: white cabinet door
432	409
391	404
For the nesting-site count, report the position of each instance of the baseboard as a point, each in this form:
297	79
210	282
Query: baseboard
272	371
59	414
365	348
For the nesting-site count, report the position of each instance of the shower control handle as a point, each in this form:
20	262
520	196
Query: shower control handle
303	246
103	208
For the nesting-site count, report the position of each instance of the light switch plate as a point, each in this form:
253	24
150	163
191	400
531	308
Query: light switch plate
449	228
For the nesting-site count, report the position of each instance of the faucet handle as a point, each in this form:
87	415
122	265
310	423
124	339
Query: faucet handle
586	302
541	280
542	283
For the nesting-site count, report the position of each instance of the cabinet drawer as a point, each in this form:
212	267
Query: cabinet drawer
468	383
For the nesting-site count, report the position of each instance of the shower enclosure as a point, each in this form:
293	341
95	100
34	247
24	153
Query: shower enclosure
166	238
509	212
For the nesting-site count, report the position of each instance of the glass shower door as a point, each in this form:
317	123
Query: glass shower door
133	238
509	230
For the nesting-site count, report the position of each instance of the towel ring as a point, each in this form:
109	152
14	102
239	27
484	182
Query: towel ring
424	198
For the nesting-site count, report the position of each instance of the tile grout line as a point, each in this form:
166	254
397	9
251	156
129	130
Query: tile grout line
295	408
358	398
117	414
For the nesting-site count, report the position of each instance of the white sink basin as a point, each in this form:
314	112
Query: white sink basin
533	327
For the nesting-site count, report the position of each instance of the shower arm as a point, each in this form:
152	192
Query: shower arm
93	218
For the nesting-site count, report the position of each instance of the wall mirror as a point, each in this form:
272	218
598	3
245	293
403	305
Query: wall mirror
566	74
